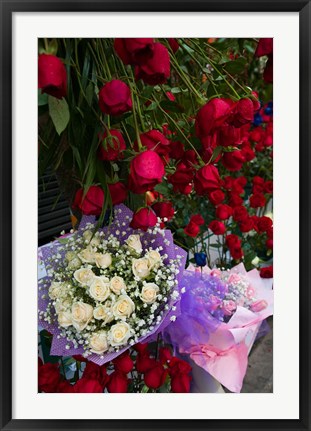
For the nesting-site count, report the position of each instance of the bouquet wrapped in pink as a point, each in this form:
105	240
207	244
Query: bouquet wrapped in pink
105	291
221	314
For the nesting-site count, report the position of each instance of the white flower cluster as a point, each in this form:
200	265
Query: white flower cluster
106	294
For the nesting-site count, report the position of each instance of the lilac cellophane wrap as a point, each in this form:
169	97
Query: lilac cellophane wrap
122	215
219	348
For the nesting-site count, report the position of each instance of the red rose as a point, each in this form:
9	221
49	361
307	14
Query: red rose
192	229
212	115
134	50
64	387
257	200
240	214
229	135
164	210
155	70
165	355
217	227
111	146
143	219
264	47
206	180
235	200
92	203
233	160
40	362
156	141
146	171
248	153
115	98
264	224
246	225
216	197
48	377
155	377
270	233
93	371
177	150
256	134
181	383
178	366
197	219
182	179
123	363
268	187
173	44
243	112
144	362
118	193
88	386
236	252
223	212
118	382
266	272
141	347
232	240
52	76
269	244
268	72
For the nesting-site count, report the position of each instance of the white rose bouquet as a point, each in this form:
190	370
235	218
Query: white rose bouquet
110	289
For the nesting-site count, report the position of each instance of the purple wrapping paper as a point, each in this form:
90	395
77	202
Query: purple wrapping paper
123	215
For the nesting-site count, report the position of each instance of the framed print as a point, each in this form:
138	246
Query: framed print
155	161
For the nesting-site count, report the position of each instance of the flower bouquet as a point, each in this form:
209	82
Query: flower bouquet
107	290
221	314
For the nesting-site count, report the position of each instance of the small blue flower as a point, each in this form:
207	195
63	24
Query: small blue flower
257	119
269	109
200	258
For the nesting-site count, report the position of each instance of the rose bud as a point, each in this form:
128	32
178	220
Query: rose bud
164	210
216	197
181	179
165	355
143	219
235	200
264	47
144	362
115	98
223	212
266	272
118	382
200	258
154	140
246	225
217	227
134	50
212	115
85	385
236	252
257	200
111	146
248	153
233	160
177	150
192	229
155	70
123	363
92	203
229	136
264	224
155	377
118	193
173	44
269	244
243	112
197	219
181	383
240	214
52	76
146	171
206	180
179	366
233	240
48	377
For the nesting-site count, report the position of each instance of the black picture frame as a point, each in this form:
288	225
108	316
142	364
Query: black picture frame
7	9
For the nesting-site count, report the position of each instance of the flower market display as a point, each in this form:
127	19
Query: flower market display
163	150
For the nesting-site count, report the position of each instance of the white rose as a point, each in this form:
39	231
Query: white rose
63	303
99	289
56	289
119	334
95	241
84	276
117	284
87	255
141	267
134	244
103	260
65	319
123	307
149	293
98	342
104	312
74	263
70	255
154	258
81	313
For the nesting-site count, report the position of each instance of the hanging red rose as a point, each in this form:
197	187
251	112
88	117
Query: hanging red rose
118	192
143	219
134	50
206	180
146	171
115	98
118	382
212	115
52	76
155	70
92	203
48	377
111	146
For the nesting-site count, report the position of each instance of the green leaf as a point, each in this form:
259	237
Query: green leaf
89	93
59	113
161	188
175	90
152	106
168	105
216	152
42	98
235	66
144	389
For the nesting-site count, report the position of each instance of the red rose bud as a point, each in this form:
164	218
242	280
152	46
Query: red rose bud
123	363
164	210
223	212
155	70
143	219
235	200
233	240
197	219
212	115
134	50
179	366
246	225
268	187
154	140
264	47
111	146
165	355
216	197
173	44
85	385
233	160
144	363
264	224
155	377
248	153
115	98
118	382
118	193
229	136
48	377
146	171
266	272
243	112
257	200
181	179
217	227
181	383
236	252
52	76
190	158
192	229
92	203
206	180
177	150
269	244
141	347
240	214
93	371
170	96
